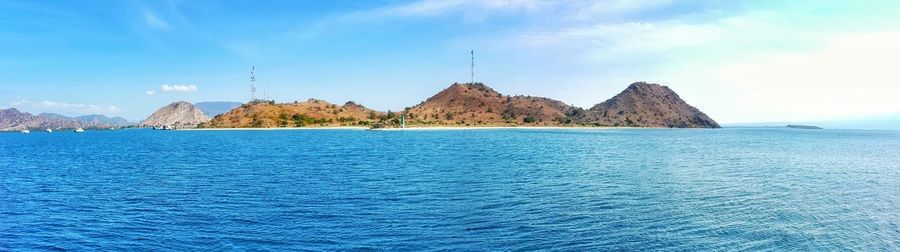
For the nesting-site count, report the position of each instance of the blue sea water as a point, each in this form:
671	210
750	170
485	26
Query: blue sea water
521	189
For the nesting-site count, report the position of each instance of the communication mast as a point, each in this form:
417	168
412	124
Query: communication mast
253	83
472	70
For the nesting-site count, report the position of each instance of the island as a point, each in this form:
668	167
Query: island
477	105
794	126
640	105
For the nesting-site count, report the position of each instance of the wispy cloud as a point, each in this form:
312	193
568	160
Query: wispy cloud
588	10
150	92
152	20
64	107
467	10
442	7
178	88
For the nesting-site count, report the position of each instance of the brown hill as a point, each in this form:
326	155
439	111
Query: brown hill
178	114
646	105
477	104
310	113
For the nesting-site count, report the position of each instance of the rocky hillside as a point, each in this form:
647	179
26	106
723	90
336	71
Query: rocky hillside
310	113
477	104
645	105
14	120
180	114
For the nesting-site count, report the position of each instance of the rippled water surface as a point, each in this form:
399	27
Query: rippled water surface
593	189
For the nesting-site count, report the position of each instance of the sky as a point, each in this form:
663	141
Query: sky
738	61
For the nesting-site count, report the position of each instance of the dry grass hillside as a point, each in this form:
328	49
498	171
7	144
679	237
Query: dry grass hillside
310	113
477	104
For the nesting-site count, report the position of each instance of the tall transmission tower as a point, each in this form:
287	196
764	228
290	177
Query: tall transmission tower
253	83
472	69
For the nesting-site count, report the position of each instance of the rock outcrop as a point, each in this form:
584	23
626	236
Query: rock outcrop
180	114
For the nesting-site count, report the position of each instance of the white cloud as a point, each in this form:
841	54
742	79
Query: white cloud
154	21
751	66
178	88
19	102
470	10
851	76
439	7
150	92
64	107
611	41
595	9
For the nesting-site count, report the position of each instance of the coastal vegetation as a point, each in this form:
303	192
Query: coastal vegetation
309	113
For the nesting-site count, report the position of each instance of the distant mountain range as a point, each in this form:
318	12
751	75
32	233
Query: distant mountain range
14	120
91	119
212	109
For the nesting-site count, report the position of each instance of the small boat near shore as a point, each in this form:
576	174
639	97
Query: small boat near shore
79	130
26	131
49	130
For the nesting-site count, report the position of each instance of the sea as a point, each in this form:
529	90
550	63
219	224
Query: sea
728	189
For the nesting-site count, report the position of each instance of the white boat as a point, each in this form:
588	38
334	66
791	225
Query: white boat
49	130
26	132
79	130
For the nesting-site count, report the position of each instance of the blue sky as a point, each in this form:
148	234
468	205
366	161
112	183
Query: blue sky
739	61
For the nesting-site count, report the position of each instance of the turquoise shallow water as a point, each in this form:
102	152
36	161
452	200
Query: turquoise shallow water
593	189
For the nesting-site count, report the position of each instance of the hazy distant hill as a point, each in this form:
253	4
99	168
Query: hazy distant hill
14	120
888	122
646	105
178	114
101	119
91	120
478	104
312	112
212	109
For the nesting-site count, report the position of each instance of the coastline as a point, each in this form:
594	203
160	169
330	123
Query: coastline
281	128
421	128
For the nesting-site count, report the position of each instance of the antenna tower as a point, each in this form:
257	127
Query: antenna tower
472	70
253	83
